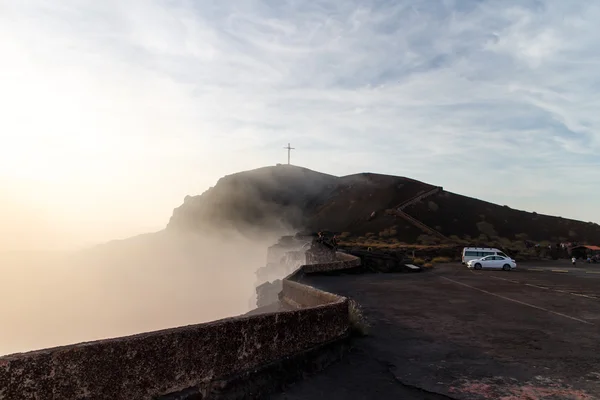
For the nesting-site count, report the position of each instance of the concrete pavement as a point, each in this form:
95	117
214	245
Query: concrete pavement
454	333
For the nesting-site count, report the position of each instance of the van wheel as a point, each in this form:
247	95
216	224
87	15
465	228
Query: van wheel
506	267
477	266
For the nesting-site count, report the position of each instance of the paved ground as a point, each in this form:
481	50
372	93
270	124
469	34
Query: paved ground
581	269
452	333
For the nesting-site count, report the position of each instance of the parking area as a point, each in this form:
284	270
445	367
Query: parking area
462	334
581	269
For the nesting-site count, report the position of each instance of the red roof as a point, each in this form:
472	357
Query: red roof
594	248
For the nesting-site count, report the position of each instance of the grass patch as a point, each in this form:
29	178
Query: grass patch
358	323
390	244
441	260
418	261
428	265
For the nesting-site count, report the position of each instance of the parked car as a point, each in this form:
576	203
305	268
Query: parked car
475	253
493	262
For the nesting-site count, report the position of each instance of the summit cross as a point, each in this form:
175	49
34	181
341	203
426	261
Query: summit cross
289	149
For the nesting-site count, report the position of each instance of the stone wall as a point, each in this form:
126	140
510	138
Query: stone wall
282	259
284	245
183	362
343	261
320	253
269	278
268	293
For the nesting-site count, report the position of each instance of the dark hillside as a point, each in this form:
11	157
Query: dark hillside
467	217
366	206
349	206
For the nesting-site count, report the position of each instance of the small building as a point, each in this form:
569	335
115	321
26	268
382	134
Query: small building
584	251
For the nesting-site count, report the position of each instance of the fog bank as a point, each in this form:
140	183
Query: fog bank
141	284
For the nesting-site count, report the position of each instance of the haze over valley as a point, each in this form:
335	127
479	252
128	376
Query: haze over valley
147	283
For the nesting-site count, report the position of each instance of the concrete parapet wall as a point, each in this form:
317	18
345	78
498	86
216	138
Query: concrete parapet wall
347	257
161	363
298	295
348	261
303	296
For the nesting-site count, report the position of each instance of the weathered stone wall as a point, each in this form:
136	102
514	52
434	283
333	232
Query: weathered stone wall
282	259
320	253
269	278
181	360
343	261
285	245
268	293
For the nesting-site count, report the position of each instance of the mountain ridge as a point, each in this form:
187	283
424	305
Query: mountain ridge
363	205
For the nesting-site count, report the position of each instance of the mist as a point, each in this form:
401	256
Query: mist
150	282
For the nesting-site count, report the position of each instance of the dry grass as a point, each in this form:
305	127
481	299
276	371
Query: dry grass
428	265
358	322
391	245
441	260
418	261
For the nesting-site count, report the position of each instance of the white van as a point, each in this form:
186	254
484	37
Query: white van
474	253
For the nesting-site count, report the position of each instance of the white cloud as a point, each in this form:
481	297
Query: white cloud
172	95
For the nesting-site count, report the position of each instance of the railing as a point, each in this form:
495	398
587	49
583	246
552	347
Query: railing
418	198
420	225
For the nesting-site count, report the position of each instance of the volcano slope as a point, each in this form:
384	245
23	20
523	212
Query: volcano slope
290	198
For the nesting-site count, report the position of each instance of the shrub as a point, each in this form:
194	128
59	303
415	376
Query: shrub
503	242
428	265
388	232
358	322
345	234
486	228
433	206
418	261
427	240
458	240
440	260
369	234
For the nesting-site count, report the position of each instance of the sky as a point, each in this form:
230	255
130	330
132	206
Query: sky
113	111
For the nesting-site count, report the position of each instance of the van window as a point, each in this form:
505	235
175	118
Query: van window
479	254
502	254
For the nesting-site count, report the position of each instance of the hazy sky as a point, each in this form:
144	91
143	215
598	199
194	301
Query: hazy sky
113	111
